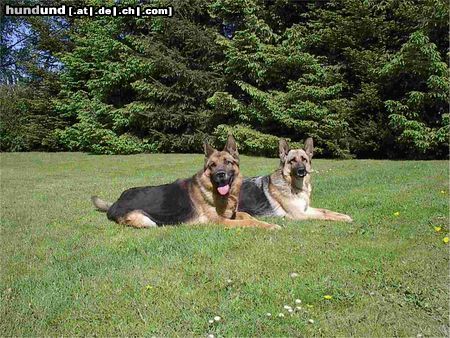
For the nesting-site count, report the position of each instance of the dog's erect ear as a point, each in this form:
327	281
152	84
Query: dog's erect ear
309	147
231	147
208	149
283	148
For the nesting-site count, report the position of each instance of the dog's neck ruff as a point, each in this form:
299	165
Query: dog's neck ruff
206	193
221	203
291	185
298	184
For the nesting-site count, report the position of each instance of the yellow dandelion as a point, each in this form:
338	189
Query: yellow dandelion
149	287
396	213
445	240
437	229
442	191
328	297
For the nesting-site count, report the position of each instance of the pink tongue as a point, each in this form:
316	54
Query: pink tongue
223	190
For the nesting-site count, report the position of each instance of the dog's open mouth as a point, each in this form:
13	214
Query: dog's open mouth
224	189
299	172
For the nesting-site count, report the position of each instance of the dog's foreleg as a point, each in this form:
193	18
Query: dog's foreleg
324	214
240	215
243	215
245	220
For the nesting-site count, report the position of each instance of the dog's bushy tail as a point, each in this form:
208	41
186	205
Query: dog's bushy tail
100	204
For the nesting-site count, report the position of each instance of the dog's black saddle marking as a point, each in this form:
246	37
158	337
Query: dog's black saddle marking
253	198
164	204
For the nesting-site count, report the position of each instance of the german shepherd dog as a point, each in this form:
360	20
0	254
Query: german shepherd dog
211	195
287	191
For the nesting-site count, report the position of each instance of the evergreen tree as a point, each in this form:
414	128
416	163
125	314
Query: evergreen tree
29	79
277	87
364	78
374	43
140	84
417	83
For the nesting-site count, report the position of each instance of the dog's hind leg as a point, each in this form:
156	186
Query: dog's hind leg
137	219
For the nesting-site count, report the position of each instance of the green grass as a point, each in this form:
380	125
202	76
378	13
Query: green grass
67	270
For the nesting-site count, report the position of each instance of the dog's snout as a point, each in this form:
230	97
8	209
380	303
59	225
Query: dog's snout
221	175
301	170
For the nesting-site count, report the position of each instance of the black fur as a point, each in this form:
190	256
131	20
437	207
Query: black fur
164	204
253	199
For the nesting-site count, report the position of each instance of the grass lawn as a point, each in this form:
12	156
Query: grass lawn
67	270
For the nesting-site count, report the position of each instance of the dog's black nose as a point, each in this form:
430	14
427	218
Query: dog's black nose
220	175
301	171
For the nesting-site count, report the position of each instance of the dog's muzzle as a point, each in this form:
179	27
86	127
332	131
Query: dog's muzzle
300	171
223	182
220	178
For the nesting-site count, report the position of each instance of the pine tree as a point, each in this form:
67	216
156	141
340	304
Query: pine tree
140	84
276	86
372	43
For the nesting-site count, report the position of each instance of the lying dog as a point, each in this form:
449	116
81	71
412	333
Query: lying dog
287	191
211	195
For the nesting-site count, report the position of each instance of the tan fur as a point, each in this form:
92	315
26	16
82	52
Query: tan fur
137	219
209	205
292	194
100	204
213	208
245	220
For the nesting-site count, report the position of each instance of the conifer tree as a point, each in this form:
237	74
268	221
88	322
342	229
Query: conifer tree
277	87
140	84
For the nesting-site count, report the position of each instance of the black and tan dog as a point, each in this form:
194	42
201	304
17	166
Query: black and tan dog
287	191
210	196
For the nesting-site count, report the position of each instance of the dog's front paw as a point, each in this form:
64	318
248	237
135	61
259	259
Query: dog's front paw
274	227
346	218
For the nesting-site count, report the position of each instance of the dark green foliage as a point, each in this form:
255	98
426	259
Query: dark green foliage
391	54
280	89
26	120
418	112
250	140
147	77
363	78
29	81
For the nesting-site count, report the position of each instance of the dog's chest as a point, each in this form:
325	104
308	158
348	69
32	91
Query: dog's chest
298	203
293	204
290	204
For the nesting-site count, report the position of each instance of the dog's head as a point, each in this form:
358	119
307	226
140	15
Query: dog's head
296	163
222	167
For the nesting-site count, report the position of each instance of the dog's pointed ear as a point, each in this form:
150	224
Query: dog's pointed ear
283	149
208	149
231	147
309	147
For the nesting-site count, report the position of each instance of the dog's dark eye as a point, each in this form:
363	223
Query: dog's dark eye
228	162
304	159
212	165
